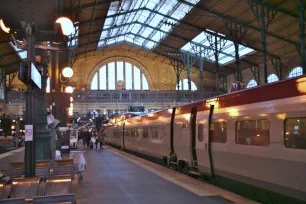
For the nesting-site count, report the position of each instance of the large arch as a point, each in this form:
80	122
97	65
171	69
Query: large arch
115	59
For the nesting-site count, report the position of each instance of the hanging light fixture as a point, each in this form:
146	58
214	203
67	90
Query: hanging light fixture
66	25
69	89
3	27
67	72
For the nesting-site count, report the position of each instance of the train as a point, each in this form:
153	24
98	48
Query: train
251	142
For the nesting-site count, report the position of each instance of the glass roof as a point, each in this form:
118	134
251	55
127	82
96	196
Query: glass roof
227	52
21	53
142	22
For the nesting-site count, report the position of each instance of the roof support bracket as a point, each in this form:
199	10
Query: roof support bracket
217	45
276	62
178	67
188	60
223	82
237	33
264	17
255	71
9	79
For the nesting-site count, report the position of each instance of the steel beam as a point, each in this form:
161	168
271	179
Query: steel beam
264	17
300	5
276	62
188	60
227	18
178	67
255	71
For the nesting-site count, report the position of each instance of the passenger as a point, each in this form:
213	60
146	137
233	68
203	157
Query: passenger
87	138
101	139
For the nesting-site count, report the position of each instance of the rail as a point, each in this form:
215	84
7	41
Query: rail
124	96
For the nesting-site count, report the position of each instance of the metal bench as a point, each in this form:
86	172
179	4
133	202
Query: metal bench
69	198
63	162
63	170
13	201
12	173
42	172
24	188
58	185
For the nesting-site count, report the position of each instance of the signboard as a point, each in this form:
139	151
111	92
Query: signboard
35	75
28	133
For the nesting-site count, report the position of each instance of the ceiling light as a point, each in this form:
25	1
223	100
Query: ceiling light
67	72
69	89
3	27
66	25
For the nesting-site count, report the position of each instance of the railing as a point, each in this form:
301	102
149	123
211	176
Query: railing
123	96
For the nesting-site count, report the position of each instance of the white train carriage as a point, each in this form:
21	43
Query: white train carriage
254	139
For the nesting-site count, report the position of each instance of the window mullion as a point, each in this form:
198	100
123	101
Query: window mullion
124	77
132	77
141	88
115	74
98	77
107	76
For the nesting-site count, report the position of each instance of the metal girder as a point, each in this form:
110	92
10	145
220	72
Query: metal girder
178	67
301	48
197	27
2	76
90	5
255	71
223	82
149	39
237	32
188	60
273	8
228	18
264	17
276	62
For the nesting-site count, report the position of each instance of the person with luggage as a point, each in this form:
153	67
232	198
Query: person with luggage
101	139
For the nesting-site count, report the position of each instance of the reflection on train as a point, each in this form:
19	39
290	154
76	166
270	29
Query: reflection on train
252	142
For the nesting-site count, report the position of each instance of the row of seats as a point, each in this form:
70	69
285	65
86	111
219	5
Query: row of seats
52	184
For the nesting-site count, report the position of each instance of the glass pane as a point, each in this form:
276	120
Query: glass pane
145	85
251	84
218	132
201	132
111	76
272	78
120	71
253	132
193	86
128	76
136	78
145	133
298	71
103	78
94	82
295	133
48	85
154	133
185	84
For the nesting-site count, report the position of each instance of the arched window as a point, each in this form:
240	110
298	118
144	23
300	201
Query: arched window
48	85
119	75
184	85
298	71
252	83
272	78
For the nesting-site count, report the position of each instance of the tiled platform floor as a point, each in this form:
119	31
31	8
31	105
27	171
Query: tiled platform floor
115	177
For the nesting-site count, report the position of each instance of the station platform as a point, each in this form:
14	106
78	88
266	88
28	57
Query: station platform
116	177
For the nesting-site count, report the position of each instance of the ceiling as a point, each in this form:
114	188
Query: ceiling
167	26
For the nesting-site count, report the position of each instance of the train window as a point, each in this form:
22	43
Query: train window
145	133
295	133
129	133
154	132
140	132
201	132
218	132
253	132
133	132
136	132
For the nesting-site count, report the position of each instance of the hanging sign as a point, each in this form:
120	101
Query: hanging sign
28	133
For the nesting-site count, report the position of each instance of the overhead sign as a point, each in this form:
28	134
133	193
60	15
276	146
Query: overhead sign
35	75
28	133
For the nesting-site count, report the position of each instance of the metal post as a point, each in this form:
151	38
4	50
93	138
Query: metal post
30	146
302	34
188	71
217	65
201	77
264	43
238	73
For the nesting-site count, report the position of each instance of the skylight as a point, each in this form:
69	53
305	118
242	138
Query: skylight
142	22
227	53
21	53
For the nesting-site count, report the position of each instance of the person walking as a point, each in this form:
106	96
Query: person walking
101	140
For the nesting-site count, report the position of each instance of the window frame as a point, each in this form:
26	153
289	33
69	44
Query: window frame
255	119
202	139
214	122
285	133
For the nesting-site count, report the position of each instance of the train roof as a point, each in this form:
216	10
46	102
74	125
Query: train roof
274	91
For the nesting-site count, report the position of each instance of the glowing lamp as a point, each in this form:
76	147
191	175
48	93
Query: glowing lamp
67	72
3	27
66	25
69	89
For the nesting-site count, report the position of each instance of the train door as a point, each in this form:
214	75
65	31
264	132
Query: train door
122	136
193	135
